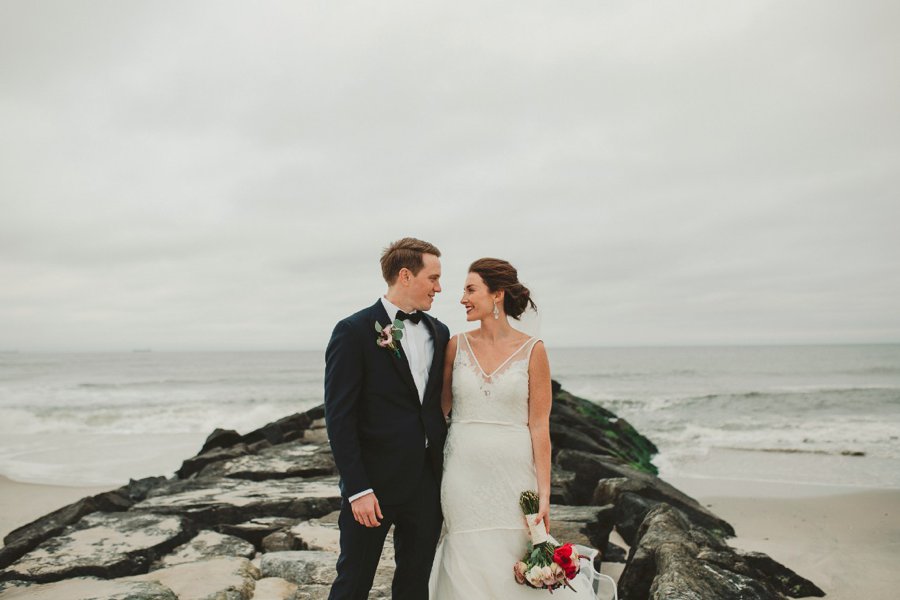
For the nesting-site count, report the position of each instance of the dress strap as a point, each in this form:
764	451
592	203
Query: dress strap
458	349
465	336
533	341
472	353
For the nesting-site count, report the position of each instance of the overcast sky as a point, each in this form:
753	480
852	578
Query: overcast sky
224	175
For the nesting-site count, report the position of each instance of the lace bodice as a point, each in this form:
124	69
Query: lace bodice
497	397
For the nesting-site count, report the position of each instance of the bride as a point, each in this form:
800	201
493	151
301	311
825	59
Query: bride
497	383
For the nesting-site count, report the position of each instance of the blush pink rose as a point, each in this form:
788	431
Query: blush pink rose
520	568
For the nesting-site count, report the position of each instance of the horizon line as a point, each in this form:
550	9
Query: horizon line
150	350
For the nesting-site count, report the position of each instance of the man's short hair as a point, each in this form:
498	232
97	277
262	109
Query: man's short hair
406	253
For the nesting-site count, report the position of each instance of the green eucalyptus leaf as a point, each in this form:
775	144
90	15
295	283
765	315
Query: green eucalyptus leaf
398	324
398	334
378	327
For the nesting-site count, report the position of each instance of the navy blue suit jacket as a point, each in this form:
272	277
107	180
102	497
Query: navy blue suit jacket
376	425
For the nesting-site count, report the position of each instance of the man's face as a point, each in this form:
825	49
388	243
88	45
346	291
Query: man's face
426	284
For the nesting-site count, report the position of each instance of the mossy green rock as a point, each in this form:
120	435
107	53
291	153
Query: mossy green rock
579	424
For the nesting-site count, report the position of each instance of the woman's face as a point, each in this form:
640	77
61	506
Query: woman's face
477	299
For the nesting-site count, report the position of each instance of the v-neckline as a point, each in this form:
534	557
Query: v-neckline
500	366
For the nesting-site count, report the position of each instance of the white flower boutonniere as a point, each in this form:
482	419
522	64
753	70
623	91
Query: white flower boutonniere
389	336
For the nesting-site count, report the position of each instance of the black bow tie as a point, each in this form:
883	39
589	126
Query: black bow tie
414	317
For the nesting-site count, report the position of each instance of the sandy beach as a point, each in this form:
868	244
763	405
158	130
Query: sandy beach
845	540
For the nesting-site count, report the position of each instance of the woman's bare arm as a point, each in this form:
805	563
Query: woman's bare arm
540	399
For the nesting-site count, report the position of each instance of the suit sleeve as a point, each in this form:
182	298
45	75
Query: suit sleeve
344	370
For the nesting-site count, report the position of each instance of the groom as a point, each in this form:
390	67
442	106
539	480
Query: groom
386	428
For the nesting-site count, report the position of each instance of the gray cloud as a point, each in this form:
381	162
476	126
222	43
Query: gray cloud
213	175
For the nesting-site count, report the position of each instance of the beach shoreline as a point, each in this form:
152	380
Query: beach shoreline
847	544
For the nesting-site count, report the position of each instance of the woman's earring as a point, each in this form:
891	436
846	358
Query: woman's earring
496	311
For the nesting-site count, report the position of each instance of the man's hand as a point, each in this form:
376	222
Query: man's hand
366	511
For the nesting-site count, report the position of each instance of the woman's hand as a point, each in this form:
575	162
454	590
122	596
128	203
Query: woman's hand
543	513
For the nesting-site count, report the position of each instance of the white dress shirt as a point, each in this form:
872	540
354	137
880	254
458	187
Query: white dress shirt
418	346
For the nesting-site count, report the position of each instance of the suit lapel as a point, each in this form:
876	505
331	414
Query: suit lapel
436	372
401	363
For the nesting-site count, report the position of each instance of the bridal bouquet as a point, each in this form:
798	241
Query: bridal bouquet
546	563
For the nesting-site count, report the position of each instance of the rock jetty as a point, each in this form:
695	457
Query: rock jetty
254	517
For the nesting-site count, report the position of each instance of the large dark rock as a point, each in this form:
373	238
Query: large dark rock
561	482
629	514
593	523
103	545
25	538
219	578
14	583
672	558
303	567
655	490
271	434
586	525
613	553
293	459
215	501
225	444
565	437
286	429
90	588
256	530
317	432
759	564
578	424
220	438
313	571
195	464
608	478
321	534
275	588
281	541
205	545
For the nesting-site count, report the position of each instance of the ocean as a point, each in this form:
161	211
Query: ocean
813	414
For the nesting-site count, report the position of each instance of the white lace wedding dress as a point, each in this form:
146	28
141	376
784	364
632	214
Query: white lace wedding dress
488	463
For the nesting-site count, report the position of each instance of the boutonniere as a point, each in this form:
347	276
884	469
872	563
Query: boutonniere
389	336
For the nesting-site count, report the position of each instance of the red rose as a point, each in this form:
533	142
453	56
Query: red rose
563	554
566	557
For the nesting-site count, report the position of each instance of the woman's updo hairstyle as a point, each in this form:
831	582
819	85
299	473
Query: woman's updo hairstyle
500	276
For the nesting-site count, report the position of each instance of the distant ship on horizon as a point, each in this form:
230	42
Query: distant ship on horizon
142	350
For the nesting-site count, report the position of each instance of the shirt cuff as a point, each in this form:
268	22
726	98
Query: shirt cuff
361	494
